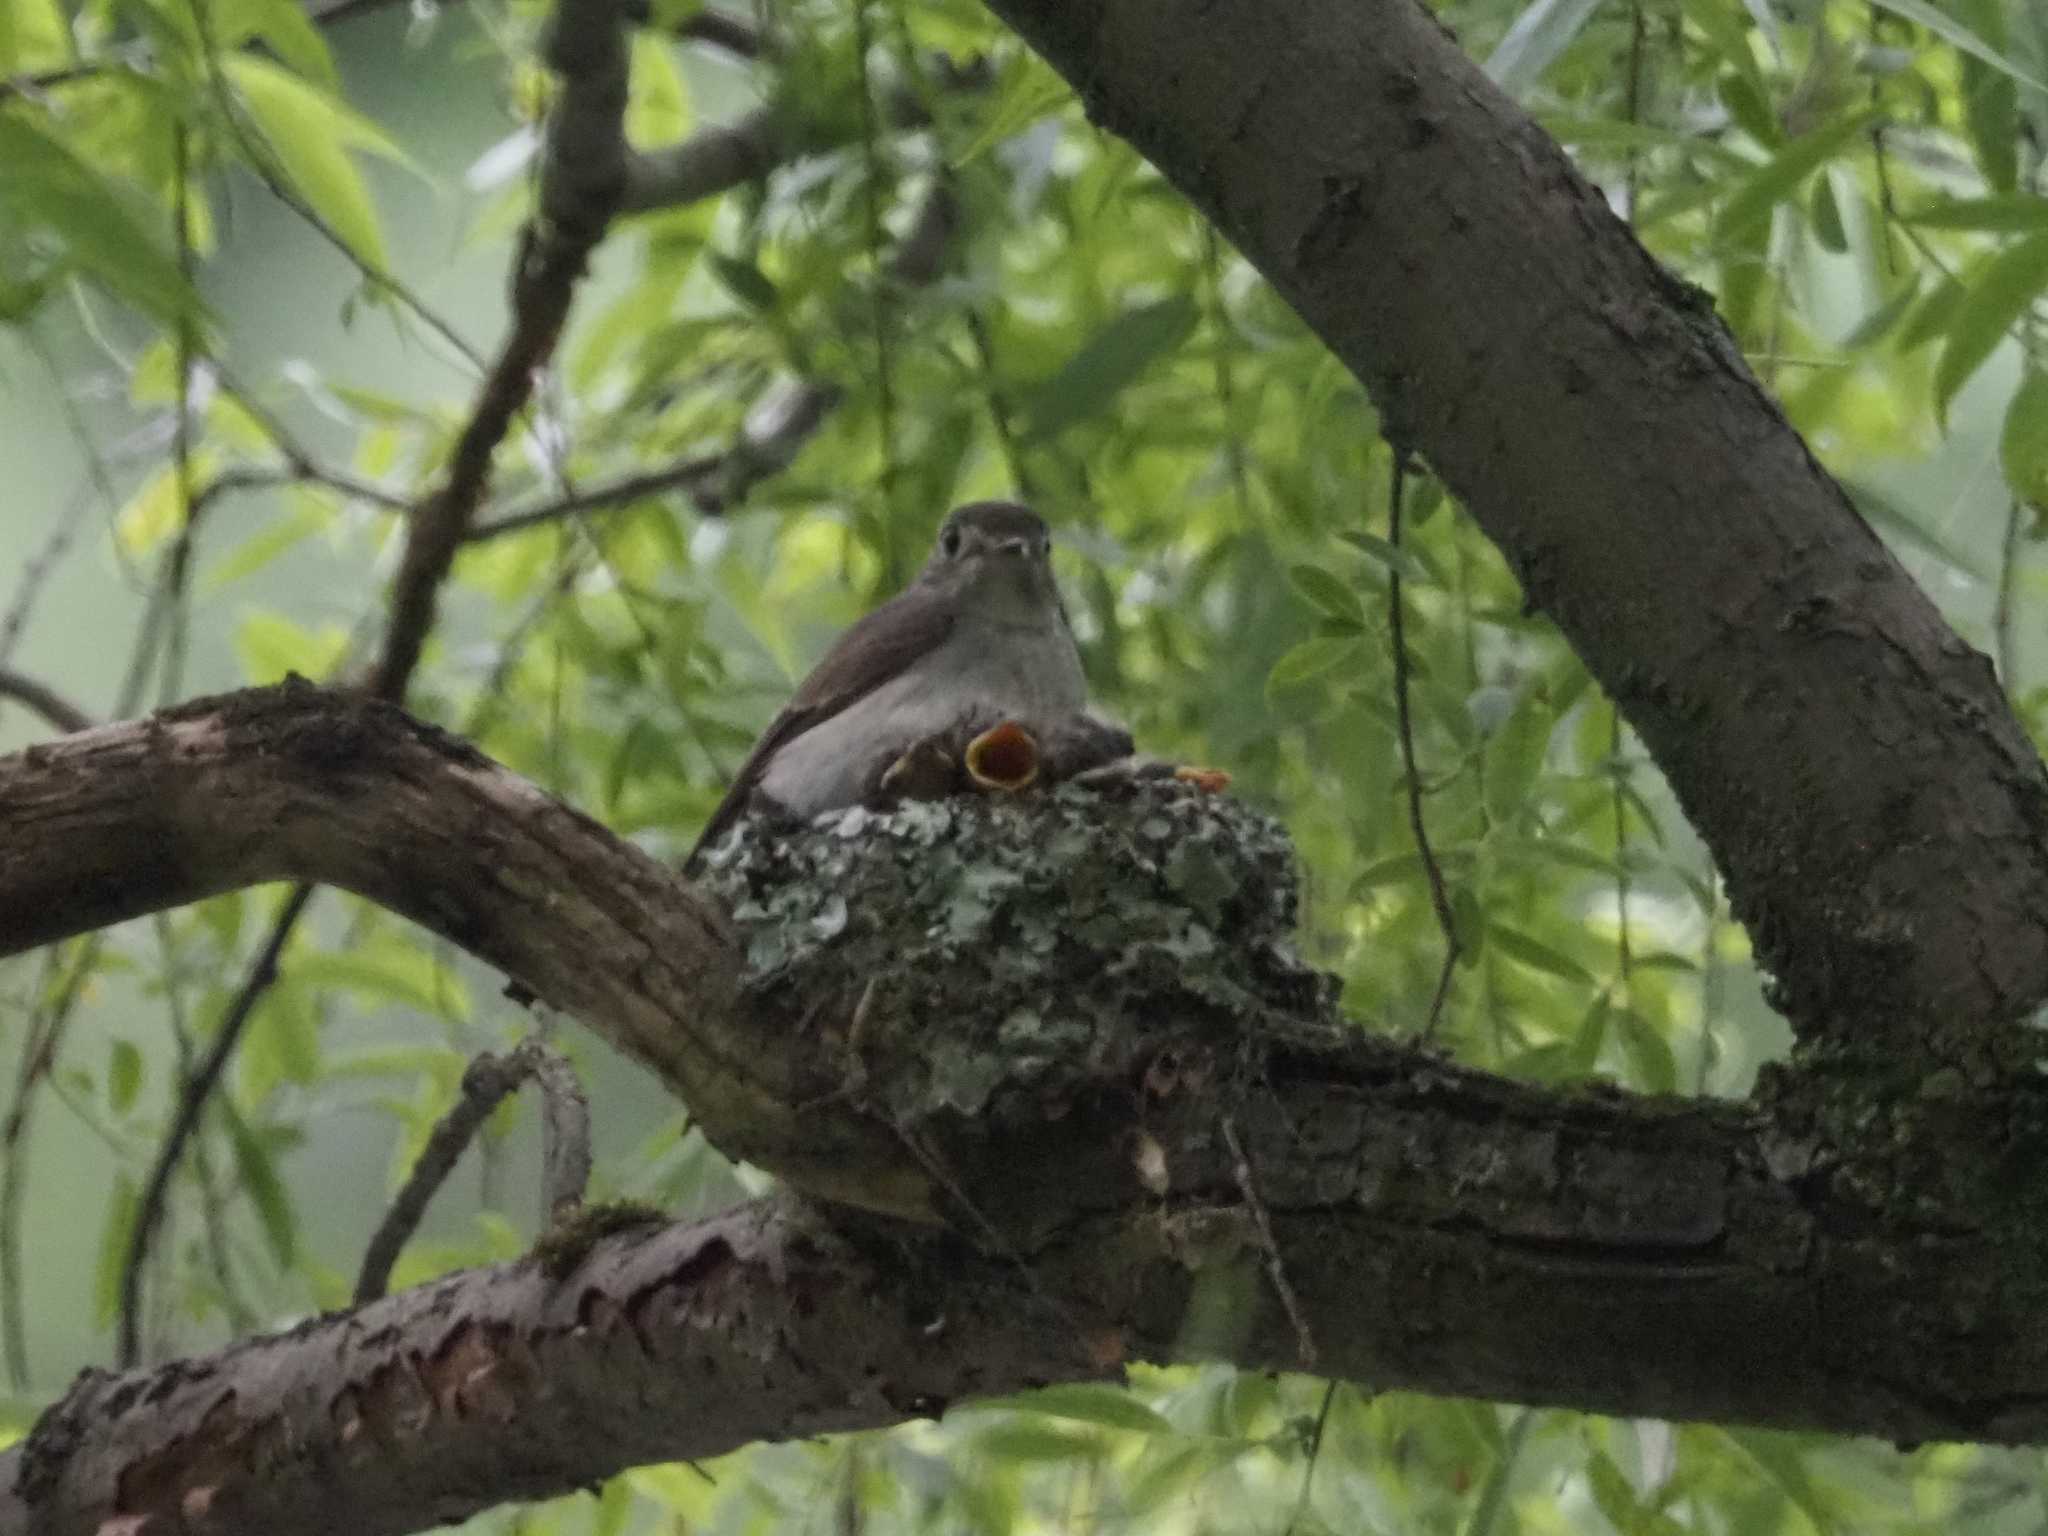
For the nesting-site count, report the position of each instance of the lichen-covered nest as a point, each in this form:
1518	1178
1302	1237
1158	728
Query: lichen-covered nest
1016	955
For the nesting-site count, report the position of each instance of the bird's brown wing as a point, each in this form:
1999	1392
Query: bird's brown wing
908	626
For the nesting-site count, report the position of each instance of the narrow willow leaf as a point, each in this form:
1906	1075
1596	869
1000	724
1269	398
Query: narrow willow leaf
124	1075
1328	593
2010	213
1996	297
1107	363
1958	36
1398	560
311	133
1539	35
1106	1407
46	187
113	1252
1309	660
1514	758
2023	441
1649	1053
1778	178
1524	949
265	1190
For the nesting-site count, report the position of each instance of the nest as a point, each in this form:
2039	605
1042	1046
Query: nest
1009	957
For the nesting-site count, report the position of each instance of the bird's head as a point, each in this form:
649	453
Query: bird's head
997	556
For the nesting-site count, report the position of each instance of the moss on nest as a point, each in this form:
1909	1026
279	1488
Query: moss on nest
978	953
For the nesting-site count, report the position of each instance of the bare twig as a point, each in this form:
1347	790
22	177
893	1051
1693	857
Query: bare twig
192	1101
43	700
872	172
787	416
488	1082
1247	1186
691	475
34	572
1439	898
583	172
583	178
38	1059
1314	1451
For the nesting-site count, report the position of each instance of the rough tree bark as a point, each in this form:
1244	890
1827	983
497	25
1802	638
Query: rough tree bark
1860	1249
1106	1109
1875	807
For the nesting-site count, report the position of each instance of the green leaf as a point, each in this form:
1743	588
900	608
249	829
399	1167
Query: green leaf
113	1251
390	972
1397	560
1514	757
1107	363
2001	291
124	1075
2008	214
265	1190
33	36
1107	1407
1328	593
1468	921
1539	35
1826	215
289	32
1310	659
1778	178
270	645
47	188
1538	956
1033	91
311	134
1649	1053
2023	441
1958	36
745	282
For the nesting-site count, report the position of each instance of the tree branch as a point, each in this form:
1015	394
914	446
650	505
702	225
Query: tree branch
584	171
43	700
1879	813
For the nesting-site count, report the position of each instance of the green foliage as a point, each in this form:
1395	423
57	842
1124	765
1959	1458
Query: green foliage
1860	187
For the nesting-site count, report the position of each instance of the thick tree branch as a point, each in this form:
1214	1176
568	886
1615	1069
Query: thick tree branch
1877	810
1439	1230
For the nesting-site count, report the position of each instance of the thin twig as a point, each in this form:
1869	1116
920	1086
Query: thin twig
487	1082
1241	1169
1439	898
34	572
878	295
38	1060
580	185
263	162
1315	1450
43	700
192	1100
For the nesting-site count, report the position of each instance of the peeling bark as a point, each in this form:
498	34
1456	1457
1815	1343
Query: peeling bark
1875	806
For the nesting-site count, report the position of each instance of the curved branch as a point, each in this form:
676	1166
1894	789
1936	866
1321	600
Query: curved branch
41	699
1879	813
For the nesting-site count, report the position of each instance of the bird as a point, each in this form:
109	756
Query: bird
979	640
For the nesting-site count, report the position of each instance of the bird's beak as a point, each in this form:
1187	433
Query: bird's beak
1014	547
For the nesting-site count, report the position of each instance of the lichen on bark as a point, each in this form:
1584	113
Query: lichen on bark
986	972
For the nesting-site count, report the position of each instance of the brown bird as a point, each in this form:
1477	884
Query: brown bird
979	636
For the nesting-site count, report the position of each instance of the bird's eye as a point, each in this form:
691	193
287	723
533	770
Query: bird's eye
949	542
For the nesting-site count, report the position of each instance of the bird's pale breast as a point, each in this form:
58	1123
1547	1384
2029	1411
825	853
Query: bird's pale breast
1028	674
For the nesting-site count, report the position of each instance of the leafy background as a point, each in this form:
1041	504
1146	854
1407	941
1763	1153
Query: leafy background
238	243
